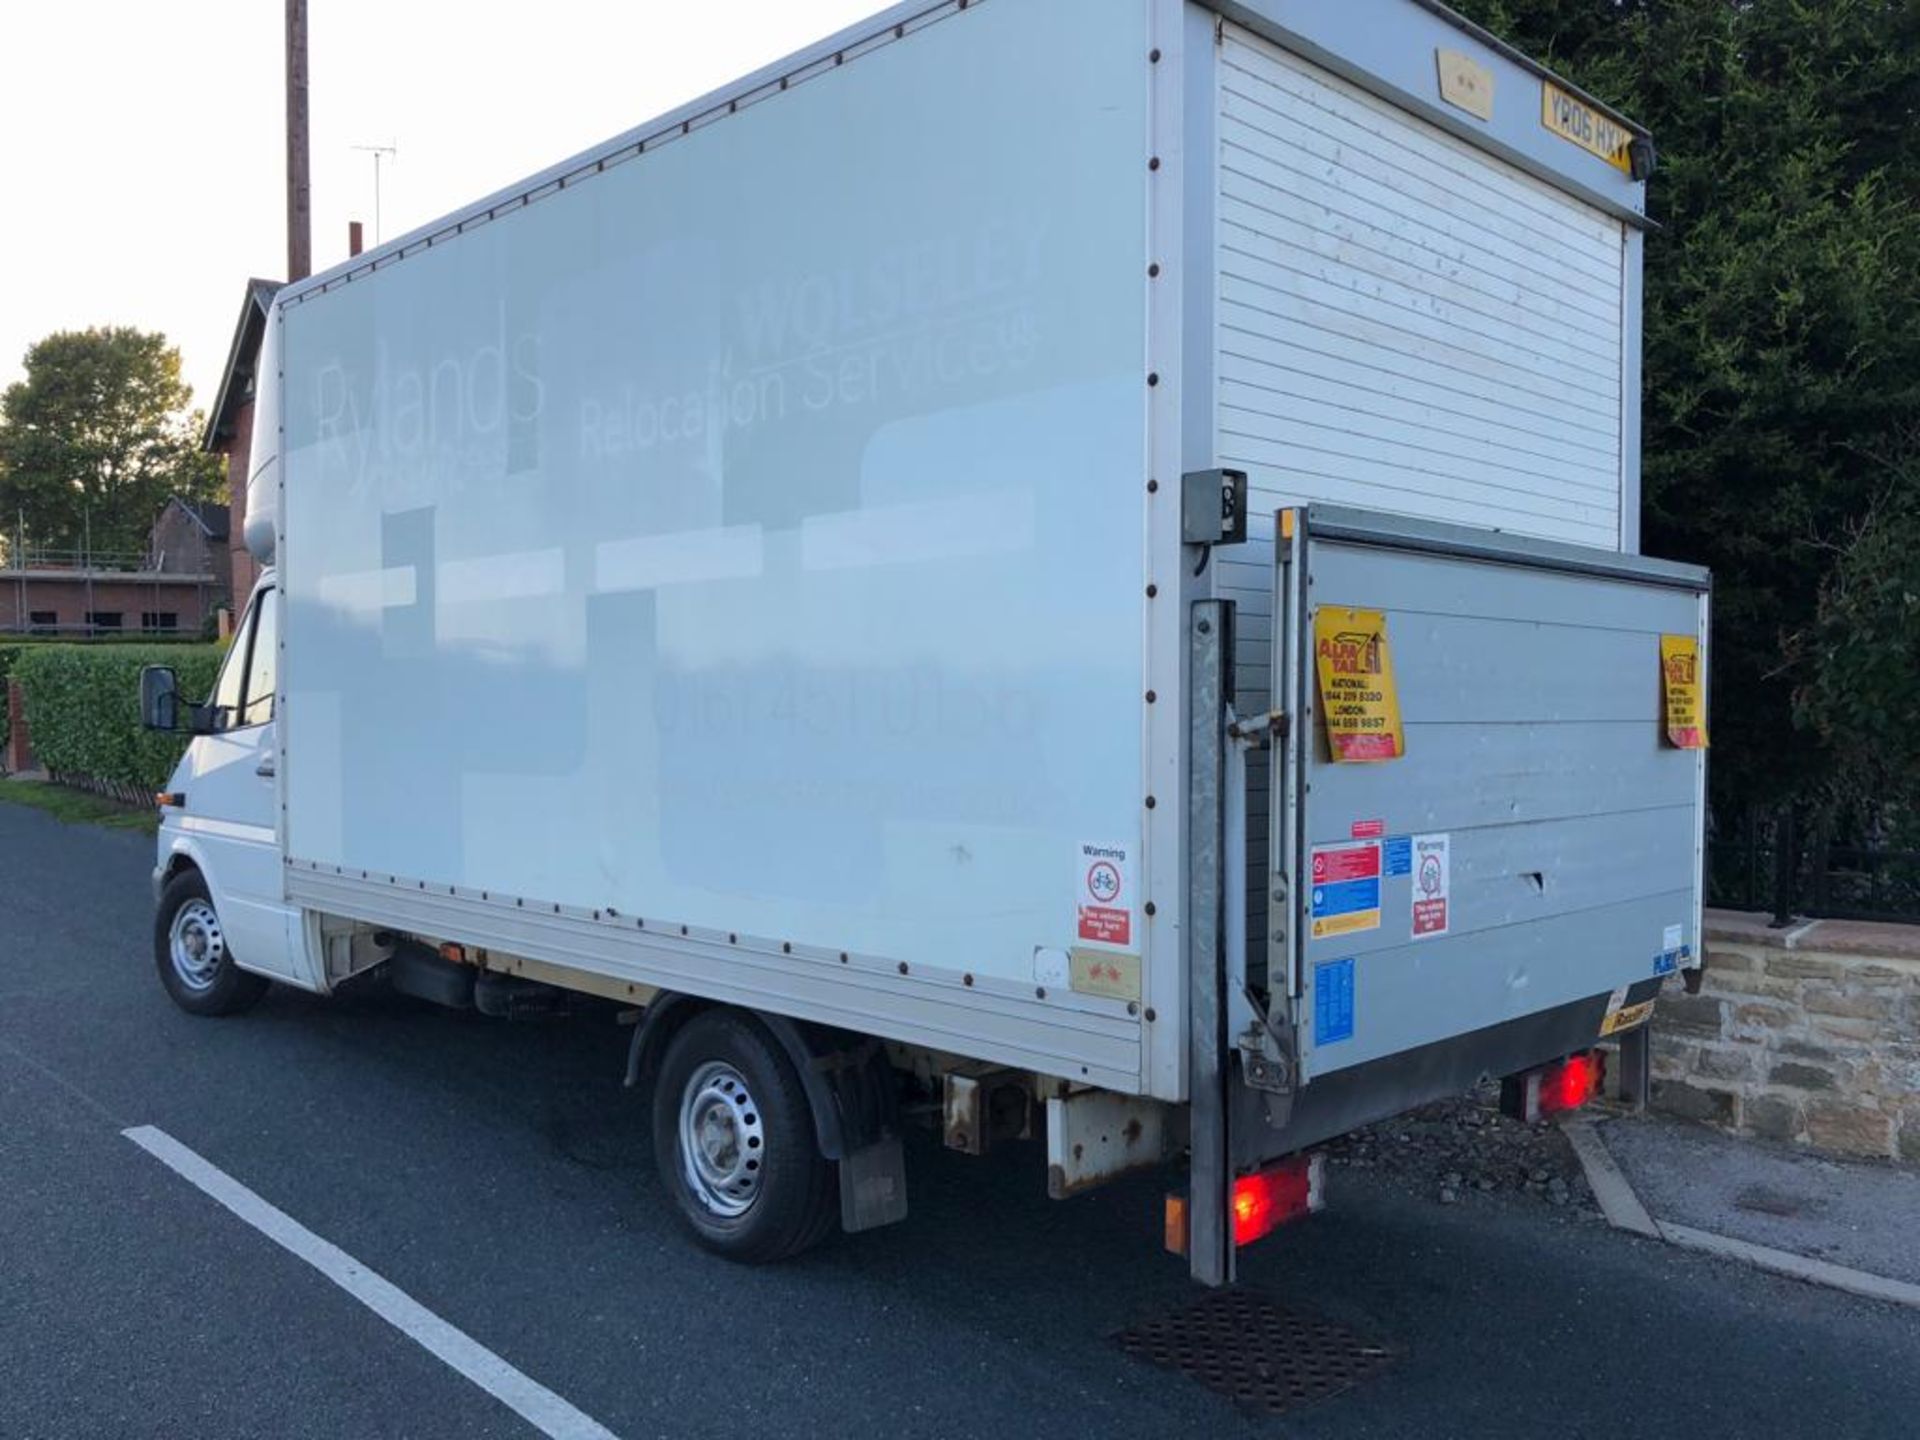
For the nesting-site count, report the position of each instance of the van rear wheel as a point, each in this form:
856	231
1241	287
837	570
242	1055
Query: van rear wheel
190	949
734	1141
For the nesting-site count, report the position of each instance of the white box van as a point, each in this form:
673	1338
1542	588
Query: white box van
1071	557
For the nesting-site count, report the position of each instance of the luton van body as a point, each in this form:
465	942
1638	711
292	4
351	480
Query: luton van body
1074	559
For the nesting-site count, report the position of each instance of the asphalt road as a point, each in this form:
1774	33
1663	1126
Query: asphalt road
498	1174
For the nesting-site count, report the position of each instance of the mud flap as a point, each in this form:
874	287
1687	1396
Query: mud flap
873	1185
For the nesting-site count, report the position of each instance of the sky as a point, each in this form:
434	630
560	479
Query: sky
142	144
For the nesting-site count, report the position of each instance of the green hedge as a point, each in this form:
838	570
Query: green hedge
83	708
12	647
9	652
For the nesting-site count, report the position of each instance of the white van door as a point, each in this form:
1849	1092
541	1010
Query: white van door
232	799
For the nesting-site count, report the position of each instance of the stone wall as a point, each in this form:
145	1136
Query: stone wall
1809	1034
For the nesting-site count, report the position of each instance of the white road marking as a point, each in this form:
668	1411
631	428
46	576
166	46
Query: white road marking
539	1406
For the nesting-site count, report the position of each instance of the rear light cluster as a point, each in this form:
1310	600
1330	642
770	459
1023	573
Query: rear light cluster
1565	1085
1262	1202
1267	1199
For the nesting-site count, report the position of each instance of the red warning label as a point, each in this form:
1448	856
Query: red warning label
1334	863
1105	926
1104	904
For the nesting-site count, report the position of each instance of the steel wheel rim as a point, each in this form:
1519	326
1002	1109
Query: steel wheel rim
196	945
722	1139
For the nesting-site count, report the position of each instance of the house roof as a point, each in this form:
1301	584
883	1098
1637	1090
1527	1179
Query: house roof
236	381
215	520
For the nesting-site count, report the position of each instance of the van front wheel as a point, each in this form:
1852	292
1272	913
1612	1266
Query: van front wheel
190	949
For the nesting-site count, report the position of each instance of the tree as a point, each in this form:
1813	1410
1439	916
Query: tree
1860	656
1782	358
96	438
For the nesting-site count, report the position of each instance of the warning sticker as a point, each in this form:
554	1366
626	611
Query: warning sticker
1357	696
1683	692
1432	885
1104	890
1346	888
1368	829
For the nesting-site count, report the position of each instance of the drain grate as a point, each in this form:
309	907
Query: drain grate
1254	1352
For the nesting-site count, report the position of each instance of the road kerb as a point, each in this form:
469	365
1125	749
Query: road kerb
1609	1183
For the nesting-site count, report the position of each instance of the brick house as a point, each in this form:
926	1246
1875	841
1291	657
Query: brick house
45	595
171	590
190	538
229	430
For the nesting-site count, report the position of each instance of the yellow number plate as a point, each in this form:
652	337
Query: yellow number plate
1579	122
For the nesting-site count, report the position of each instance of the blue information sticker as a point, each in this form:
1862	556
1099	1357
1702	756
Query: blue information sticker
1332	1001
1346	897
1397	854
1668	961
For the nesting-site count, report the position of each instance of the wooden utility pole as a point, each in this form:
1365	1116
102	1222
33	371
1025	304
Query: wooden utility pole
299	187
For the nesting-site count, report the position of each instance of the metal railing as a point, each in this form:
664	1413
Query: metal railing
81	630
73	558
1775	859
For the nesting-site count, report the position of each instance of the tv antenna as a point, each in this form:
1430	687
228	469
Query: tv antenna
379	152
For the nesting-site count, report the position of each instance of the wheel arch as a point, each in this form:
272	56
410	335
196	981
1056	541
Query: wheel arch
848	1083
178	860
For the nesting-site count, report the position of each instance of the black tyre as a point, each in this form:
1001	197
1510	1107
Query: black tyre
733	1137
190	949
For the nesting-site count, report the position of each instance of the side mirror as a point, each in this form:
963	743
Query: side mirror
159	697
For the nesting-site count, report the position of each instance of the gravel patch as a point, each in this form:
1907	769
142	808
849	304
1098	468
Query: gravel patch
1464	1151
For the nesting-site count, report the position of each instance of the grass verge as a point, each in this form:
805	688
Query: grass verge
78	807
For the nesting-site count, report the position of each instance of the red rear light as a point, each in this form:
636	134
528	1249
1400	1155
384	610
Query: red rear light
1565	1085
1262	1202
1269	1198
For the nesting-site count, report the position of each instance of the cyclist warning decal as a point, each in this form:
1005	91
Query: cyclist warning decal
1105	894
1432	885
1346	888
1683	689
1356	684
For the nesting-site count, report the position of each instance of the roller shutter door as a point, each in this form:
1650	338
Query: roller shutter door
1405	322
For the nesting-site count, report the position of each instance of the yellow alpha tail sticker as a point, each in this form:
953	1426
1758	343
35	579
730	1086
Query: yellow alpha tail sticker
1683	692
1357	696
1622	1016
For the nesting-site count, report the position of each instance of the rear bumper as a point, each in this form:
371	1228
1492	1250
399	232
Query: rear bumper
1265	1127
